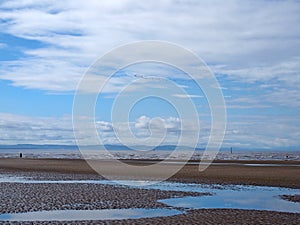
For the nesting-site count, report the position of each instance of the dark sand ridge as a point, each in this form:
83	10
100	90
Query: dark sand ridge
292	198
283	176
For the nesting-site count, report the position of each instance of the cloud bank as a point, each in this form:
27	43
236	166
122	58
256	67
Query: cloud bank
253	47
249	40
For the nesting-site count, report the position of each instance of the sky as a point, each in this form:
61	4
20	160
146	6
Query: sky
252	48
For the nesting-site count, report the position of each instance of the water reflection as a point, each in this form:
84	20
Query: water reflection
223	196
77	215
259	199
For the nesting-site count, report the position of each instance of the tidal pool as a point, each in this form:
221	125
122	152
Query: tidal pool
228	196
77	215
252	199
222	196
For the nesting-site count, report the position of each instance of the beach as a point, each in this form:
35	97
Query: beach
249	172
36	193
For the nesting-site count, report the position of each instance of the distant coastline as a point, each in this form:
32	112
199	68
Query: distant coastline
68	152
161	148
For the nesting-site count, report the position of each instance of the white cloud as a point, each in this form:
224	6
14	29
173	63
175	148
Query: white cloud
16	129
248	42
248	37
170	123
262	132
286	71
142	122
104	126
52	75
173	124
255	131
187	96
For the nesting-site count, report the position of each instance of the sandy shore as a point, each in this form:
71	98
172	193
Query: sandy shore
25	197
236	172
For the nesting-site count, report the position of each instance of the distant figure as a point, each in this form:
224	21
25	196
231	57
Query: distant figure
21	155
231	150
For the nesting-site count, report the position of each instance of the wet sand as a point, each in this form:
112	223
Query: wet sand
201	217
291	198
19	197
221	216
237	172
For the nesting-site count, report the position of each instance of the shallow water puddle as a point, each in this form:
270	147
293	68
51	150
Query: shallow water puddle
76	215
229	196
233	199
223	196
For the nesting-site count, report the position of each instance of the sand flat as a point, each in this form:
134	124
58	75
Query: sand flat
26	197
234	173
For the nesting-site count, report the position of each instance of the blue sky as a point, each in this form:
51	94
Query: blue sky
253	48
